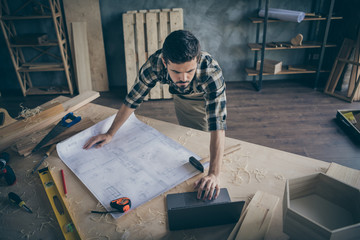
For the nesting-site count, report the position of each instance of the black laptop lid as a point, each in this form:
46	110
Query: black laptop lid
186	211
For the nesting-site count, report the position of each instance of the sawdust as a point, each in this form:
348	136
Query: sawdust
260	174
43	224
280	177
28	113
321	169
98	237
188	237
27	235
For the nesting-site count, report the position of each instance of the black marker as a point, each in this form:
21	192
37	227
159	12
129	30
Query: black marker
196	163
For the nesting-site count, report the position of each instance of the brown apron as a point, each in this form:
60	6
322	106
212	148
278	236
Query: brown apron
190	110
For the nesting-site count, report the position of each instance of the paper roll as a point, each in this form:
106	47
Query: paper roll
283	14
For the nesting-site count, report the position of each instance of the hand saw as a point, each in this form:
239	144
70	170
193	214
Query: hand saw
67	121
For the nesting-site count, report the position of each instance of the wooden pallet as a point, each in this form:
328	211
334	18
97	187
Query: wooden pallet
144	33
348	54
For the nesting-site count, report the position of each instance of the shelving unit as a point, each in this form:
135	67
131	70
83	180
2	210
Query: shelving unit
58	60
263	46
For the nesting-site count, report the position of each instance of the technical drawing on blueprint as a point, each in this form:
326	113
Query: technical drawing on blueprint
140	162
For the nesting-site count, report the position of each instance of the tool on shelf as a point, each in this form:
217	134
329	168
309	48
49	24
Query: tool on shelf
121	204
47	154
14	198
5	170
67	121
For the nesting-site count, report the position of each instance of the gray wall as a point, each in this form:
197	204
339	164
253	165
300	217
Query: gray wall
222	27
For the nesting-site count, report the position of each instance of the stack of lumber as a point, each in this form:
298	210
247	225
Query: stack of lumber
52	112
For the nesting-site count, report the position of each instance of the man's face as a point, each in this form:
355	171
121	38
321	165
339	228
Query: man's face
181	74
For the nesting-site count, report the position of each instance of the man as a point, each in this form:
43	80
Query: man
196	82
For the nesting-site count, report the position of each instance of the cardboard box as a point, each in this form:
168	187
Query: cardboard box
349	121
320	207
270	66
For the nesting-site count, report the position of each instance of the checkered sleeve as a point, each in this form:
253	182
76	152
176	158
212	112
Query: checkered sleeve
144	82
215	97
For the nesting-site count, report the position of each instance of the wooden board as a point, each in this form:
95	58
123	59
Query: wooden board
144	33
54	111
338	66
81	56
254	222
345	174
7	119
89	11
16	130
129	46
355	72
27	143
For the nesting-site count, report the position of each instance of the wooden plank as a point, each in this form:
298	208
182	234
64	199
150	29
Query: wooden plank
152	47
255	220
7	119
338	66
355	71
345	174
129	45
27	143
176	19
81	56
16	130
80	100
140	40
54	111
164	28
284	71
89	11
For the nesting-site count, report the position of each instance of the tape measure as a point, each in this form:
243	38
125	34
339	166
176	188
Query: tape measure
122	204
62	214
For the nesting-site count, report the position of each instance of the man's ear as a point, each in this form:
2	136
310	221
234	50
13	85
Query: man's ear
163	61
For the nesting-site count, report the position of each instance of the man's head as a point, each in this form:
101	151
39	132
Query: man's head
181	51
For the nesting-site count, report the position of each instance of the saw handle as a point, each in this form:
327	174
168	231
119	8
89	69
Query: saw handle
69	119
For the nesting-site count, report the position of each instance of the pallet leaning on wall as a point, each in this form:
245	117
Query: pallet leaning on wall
42	47
346	72
144	33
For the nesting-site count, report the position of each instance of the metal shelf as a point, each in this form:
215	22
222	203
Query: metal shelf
262	46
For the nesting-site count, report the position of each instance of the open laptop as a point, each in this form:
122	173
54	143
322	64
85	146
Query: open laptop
186	211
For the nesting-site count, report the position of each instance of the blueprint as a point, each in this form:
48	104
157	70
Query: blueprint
139	163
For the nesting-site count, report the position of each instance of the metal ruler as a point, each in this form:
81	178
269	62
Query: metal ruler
63	217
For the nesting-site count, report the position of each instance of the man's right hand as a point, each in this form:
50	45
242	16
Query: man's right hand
98	140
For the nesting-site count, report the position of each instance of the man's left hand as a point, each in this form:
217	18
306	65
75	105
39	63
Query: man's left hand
208	185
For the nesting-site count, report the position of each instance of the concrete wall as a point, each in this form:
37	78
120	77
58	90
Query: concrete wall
222	27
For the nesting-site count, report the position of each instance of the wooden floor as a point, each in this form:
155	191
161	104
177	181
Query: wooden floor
286	115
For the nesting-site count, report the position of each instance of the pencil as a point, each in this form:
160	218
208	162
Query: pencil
63	180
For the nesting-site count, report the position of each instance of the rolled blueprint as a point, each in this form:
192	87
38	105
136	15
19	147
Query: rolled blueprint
282	14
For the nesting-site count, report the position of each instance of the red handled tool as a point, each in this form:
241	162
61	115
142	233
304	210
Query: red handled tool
121	204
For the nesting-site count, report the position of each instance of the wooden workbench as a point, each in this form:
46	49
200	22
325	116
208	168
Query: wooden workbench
245	171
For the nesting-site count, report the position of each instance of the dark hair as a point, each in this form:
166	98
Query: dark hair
180	46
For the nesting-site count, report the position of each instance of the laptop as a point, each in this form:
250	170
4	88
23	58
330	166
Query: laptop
186	211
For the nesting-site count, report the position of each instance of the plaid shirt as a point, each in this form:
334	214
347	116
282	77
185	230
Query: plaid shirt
208	80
